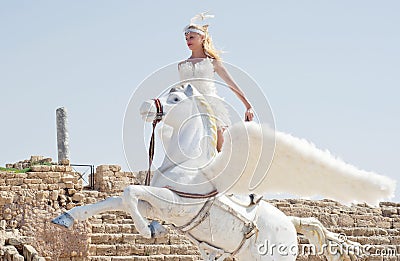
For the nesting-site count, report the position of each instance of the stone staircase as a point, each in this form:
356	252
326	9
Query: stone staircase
379	227
114	238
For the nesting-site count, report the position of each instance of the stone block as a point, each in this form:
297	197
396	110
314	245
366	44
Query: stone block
45	168
54	186
115	168
389	211
53	174
5	188
14	181
65	162
58	168
109	174
124	250
179	249
32	181
68	178
102	168
70	206
33	186
106	250
6	198
36	168
384	224
129	238
100	238
29	252
365	220
120	174
126	228
43	186
54	195
68	185
41	195
18	258
3	225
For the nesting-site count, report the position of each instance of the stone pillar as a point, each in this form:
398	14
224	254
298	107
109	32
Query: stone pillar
62	136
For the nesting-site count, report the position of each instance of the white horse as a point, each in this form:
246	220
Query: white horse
183	189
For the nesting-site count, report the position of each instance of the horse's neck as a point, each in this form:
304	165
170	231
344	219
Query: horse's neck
187	140
192	143
185	144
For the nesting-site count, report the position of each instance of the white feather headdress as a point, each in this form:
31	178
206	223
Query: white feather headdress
198	21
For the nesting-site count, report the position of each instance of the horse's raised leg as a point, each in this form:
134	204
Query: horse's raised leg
83	212
131	197
139	202
161	201
164	204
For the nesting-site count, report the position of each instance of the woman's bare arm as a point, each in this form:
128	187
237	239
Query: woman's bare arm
226	77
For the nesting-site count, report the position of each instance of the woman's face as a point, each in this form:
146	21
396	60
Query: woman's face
194	41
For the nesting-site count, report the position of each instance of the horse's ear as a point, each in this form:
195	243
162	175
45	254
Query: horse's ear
189	90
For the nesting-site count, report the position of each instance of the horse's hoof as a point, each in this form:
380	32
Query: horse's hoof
157	230
64	220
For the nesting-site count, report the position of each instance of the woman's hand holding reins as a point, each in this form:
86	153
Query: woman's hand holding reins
249	114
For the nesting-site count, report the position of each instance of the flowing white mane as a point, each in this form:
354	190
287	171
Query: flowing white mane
298	167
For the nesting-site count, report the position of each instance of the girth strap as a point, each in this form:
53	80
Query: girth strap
199	218
193	195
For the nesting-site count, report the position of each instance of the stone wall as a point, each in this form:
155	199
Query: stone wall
28	202
111	180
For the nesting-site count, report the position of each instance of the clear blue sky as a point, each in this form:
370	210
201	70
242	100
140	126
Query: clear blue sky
330	70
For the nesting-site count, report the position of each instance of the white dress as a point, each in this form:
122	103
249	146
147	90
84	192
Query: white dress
200	73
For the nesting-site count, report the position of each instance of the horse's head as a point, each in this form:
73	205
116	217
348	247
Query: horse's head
189	115
177	106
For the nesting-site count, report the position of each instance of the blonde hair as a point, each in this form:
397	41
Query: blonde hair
208	45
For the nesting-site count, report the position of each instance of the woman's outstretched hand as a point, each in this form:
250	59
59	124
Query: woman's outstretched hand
249	114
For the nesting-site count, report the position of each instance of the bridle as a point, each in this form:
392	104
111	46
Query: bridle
157	119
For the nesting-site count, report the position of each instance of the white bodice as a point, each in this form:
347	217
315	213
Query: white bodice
200	72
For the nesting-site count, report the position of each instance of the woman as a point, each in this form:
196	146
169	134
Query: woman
202	63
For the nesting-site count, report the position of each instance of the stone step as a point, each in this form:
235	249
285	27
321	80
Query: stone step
365	231
142	250
103	238
109	228
146	258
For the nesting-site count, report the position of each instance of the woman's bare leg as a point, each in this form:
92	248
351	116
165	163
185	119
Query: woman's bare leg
220	138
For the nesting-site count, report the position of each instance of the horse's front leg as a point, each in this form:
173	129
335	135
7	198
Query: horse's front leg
144	201
82	213
157	203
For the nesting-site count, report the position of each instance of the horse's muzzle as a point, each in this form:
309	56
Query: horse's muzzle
151	110
148	111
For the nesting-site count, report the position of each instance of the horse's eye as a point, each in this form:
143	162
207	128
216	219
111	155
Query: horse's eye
176	99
